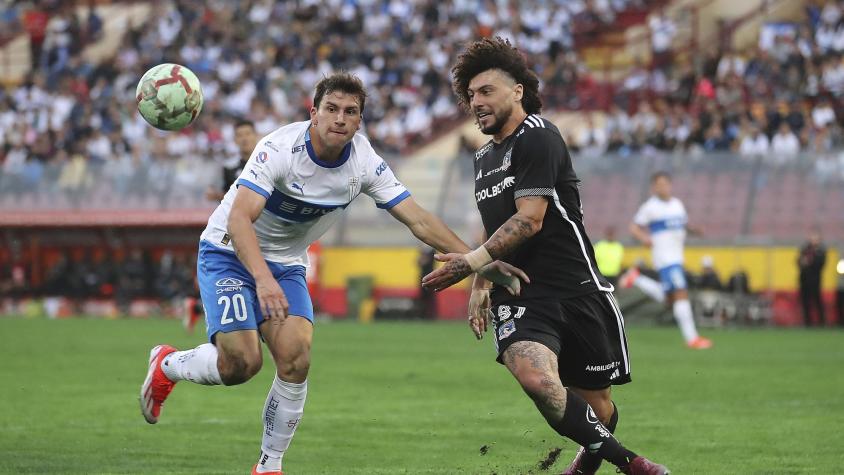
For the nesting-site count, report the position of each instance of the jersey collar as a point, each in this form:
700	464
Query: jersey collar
344	155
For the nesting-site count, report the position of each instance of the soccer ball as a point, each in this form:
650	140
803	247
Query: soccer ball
169	96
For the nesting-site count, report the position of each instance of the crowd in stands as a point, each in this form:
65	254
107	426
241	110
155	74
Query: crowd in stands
260	59
257	60
776	99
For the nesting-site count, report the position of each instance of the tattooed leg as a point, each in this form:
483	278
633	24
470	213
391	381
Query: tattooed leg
535	367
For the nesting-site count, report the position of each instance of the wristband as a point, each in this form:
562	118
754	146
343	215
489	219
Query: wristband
478	258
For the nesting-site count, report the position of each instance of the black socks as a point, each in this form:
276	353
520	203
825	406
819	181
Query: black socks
580	424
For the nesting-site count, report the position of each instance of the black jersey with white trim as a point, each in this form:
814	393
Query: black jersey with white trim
534	161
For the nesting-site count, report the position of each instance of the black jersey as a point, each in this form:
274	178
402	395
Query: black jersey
534	161
231	174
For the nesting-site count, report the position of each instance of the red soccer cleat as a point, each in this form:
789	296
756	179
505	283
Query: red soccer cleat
576	466
643	466
626	280
256	472
700	343
156	386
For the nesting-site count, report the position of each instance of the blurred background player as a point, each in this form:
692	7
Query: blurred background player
661	224
253	254
811	261
245	138
563	339
609	253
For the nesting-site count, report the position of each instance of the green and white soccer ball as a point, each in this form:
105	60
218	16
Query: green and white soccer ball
169	96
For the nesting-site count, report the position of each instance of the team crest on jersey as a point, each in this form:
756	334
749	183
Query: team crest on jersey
354	182
262	157
505	164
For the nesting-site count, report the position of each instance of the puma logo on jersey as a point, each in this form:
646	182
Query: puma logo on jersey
254	173
299	187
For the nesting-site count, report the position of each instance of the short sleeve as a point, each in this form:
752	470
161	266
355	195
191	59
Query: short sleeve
265	166
641	218
539	154
382	185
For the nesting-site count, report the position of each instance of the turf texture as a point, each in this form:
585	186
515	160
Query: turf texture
414	398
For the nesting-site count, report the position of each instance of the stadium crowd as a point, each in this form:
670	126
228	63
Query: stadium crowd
774	100
74	110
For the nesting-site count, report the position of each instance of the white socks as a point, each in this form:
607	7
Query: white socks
198	365
685	319
282	412
682	308
650	287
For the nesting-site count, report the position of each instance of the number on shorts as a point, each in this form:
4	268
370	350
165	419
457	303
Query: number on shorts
238	302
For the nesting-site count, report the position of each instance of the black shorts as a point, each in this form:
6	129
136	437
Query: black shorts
586	333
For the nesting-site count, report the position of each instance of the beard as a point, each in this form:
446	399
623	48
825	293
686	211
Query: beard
496	126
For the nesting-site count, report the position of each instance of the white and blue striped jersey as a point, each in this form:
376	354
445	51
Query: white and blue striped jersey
305	195
666	221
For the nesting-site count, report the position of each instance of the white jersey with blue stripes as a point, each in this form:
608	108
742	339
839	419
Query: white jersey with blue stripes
666	221
305	195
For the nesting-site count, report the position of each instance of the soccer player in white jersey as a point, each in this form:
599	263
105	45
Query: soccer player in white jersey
252	258
661	224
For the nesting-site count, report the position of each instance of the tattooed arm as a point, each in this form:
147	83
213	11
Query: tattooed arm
519	228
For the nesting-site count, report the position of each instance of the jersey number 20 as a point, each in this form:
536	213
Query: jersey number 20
238	303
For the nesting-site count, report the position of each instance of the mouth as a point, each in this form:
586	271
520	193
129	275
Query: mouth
483	115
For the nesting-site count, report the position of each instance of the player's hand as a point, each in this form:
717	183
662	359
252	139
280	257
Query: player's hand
455	269
506	275
479	304
271	299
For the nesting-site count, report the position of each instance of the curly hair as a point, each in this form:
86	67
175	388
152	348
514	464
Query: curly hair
342	81
495	53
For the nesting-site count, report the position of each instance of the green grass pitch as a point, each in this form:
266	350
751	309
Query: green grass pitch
413	398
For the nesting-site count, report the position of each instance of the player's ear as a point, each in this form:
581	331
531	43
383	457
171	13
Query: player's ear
518	92
313	116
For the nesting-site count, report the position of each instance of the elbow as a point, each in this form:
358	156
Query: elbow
534	226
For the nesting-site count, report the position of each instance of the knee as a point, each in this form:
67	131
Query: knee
604	409
537	384
294	367
240	367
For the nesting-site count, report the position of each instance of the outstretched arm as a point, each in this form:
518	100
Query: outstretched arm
433	232
514	232
427	227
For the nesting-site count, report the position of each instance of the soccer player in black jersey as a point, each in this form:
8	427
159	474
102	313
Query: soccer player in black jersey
563	337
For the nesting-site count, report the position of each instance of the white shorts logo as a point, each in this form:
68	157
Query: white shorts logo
229	284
